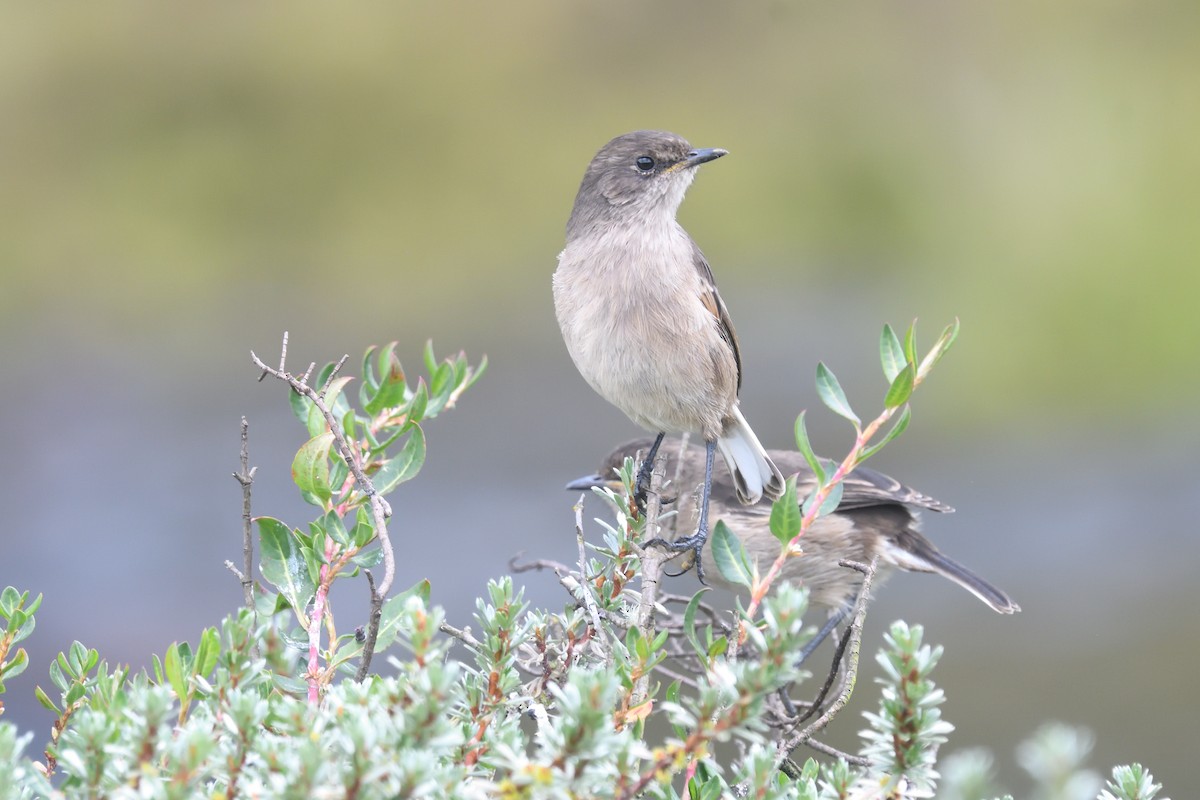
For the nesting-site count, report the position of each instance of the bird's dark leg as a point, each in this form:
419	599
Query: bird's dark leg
696	541
834	620
642	485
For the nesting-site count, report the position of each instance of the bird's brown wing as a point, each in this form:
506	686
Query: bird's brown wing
862	488
712	301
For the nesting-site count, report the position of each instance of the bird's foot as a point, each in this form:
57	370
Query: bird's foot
692	545
641	489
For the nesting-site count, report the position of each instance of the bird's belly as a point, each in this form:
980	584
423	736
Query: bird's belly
668	369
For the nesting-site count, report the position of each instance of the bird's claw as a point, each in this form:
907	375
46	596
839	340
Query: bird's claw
693	545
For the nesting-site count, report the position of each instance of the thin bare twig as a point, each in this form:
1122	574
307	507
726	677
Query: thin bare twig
245	575
376	614
853	636
652	568
585	586
462	634
332	374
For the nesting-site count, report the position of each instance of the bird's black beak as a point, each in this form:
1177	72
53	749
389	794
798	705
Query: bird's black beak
585	483
703	156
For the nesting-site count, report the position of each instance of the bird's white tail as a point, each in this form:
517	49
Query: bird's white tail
754	474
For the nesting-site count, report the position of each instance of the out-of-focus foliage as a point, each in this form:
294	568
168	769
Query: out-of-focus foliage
1028	167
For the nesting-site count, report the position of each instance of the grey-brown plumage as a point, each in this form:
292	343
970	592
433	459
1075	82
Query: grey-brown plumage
877	516
640	312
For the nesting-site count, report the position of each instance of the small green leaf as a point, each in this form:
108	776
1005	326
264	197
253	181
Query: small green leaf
805	447
910	343
829	504
10	599
350	425
404	465
730	556
897	428
301	405
335	401
393	387
25	630
441	384
891	353
369	558
315	424
942	345
482	368
901	388
46	702
363	530
332	523
310	467
283	565
689	622
418	403
173	666
16	618
207	652
832	395
78	657
430	358
785	514
15	665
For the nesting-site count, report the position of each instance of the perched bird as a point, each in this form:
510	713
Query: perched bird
641	316
877	517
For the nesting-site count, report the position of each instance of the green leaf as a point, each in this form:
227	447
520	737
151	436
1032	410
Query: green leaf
46	702
207	652
482	368
943	344
832	395
15	665
310	467
301	406
282	564
730	556
393	387
363	530
891	354
910	343
441	384
78	657
332	523
393	611
350	425
829	504
898	427
901	388
315	424
10	600
369	558
785	514
173	666
805	447
689	622
56	673
27	626
430	358
404	465
418	403
334	400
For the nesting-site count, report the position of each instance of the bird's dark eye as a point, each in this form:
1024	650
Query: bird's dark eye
645	163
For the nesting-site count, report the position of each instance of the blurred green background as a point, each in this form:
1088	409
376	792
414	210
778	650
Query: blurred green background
180	184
